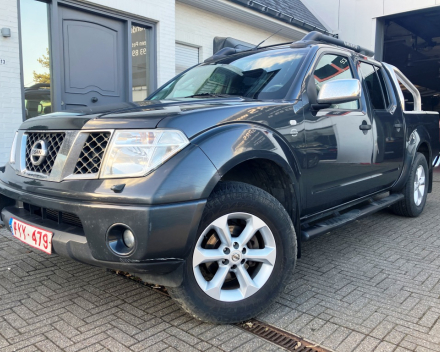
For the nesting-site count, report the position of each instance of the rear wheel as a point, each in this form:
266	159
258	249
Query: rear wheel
416	189
244	254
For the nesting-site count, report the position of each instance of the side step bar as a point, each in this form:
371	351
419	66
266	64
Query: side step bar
325	226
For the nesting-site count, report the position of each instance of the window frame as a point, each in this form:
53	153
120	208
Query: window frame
385	81
152	77
311	88
386	93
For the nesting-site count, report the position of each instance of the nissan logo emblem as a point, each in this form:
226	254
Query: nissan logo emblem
39	152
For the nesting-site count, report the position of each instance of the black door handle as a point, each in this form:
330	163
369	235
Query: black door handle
365	127
398	125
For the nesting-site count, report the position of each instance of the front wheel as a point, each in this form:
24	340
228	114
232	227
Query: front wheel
415	190
242	259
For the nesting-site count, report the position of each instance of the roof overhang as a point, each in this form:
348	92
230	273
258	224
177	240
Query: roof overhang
247	16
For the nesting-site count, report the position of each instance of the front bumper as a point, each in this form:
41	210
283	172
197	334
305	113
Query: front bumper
165	234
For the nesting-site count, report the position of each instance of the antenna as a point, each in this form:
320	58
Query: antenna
278	31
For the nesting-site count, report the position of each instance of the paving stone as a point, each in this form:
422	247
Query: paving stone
114	345
395	337
48	346
58	338
385	347
351	342
367	345
373	285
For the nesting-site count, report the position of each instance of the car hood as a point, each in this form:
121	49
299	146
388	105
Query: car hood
150	113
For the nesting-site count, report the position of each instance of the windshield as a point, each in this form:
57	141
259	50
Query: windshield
263	75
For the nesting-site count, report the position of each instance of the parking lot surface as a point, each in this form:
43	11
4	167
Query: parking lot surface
373	285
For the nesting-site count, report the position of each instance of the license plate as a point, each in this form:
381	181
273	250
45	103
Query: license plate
31	235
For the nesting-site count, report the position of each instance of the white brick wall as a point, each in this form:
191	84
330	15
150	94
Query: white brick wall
175	22
162	12
198	27
10	82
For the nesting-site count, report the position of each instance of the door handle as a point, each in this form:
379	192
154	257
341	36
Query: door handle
398	125
365	127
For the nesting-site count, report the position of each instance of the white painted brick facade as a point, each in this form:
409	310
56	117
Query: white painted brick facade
163	13
175	21
10	82
198	27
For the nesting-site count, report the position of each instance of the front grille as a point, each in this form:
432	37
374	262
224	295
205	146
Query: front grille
90	159
59	217
53	142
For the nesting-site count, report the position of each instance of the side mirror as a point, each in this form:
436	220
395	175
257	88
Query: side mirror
339	91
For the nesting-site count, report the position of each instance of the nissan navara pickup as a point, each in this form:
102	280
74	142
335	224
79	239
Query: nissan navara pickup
210	186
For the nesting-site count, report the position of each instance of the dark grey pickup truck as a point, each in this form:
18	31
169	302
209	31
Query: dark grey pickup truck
210	186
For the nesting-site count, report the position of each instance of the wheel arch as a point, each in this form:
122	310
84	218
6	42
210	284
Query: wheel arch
258	156
417	142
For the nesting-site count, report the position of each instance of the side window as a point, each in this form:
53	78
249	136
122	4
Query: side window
384	86
374	86
332	67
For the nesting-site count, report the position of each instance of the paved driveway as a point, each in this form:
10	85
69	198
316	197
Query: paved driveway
372	285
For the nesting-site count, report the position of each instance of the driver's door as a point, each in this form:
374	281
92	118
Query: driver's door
338	152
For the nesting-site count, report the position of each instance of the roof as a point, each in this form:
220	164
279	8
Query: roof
291	11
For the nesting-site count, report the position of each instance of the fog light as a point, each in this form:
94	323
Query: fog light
121	239
128	238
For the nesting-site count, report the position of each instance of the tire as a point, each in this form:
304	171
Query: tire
237	206
415	190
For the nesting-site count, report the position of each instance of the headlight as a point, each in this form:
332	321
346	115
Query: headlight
13	150
134	153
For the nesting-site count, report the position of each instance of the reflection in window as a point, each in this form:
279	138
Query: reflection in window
261	75
140	56
373	86
331	68
36	57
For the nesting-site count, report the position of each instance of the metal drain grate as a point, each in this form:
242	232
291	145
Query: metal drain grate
281	338
270	333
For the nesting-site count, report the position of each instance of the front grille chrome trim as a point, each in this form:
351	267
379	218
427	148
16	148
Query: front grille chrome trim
66	160
53	142
92	153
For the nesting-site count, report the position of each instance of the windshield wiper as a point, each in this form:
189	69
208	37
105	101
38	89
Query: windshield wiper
213	95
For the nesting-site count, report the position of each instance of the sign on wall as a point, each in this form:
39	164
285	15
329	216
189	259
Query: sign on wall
140	58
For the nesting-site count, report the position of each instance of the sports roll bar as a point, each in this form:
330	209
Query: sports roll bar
398	77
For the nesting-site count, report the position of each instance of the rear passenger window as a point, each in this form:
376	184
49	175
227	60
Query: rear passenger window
379	72
331	68
374	86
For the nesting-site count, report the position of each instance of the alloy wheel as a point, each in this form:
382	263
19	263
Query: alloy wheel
419	185
234	257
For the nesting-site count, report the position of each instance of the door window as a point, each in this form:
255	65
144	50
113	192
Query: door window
374	86
330	68
379	72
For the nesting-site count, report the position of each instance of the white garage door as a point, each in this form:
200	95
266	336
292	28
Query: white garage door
186	56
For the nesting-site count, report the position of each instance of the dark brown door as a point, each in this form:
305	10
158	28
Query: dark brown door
93	57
